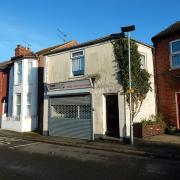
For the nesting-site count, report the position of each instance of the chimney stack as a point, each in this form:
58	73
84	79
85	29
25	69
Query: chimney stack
23	51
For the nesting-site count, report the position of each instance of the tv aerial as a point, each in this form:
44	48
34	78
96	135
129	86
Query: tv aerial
61	35
28	45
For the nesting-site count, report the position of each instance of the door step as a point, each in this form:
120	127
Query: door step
114	139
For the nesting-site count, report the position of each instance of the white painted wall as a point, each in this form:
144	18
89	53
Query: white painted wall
26	123
149	104
99	60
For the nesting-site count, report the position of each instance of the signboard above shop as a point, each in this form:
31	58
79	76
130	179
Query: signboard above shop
68	85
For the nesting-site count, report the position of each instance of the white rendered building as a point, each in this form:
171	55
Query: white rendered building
22	96
83	98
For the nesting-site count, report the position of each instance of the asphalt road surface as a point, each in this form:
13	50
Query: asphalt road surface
21	159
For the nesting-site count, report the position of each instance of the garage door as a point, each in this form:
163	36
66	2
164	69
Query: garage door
71	117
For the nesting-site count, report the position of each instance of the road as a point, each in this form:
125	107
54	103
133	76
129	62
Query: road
21	159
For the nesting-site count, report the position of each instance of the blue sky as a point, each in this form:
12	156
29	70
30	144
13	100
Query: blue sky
35	22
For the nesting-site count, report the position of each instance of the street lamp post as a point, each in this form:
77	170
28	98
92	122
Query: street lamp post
128	29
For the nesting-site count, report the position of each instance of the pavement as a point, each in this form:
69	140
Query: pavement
161	146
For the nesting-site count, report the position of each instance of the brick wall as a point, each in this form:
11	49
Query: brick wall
166	79
21	50
3	87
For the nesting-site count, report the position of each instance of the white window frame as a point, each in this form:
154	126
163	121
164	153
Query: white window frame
45	70
29	81
17	72
145	60
76	51
29	104
171	53
18	104
177	111
83	55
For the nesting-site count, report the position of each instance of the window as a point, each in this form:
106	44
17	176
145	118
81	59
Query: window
78	63
29	104
18	104
71	107
175	54
71	111
10	105
29	72
19	72
4	105
143	61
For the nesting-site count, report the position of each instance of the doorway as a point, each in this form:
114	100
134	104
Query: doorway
178	109
112	116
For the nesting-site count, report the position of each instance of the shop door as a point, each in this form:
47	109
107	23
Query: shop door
70	116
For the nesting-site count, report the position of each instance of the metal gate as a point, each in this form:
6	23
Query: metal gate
70	116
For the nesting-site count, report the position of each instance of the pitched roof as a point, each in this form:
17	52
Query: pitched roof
174	28
56	47
88	43
46	50
5	64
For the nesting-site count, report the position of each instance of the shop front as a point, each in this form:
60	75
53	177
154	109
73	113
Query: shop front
70	109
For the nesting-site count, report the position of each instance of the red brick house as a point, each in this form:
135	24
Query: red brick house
167	66
4	72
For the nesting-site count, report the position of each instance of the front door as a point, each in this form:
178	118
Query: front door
178	108
112	115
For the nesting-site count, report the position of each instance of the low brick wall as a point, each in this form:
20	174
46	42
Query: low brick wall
148	130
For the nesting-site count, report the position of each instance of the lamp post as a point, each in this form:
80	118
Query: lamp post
128	29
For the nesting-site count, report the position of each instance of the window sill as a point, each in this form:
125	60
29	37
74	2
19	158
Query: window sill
17	84
174	69
77	77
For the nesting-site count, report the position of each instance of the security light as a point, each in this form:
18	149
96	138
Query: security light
128	28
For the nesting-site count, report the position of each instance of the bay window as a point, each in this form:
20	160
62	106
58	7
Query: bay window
19	72
29	72
29	104
18	104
